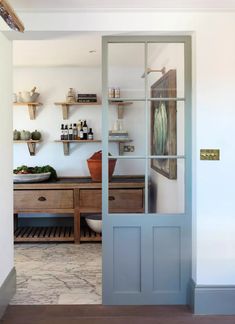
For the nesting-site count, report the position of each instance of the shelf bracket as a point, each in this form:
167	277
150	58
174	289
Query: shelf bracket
120	111
121	148
31	148
32	111
66	148
65	111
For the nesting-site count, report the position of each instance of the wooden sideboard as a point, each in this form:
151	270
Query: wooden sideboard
76	197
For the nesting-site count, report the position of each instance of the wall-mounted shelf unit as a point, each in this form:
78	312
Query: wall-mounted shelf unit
66	144
65	106
32	106
31	145
120	106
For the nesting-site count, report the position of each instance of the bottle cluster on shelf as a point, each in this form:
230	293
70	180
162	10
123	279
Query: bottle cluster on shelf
76	131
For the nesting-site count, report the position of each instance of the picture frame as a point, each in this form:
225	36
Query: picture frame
163	125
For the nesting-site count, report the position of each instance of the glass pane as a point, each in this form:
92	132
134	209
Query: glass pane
127	128
166	128
127	186
166	70
167	182
125	69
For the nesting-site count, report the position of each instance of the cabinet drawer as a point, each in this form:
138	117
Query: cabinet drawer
120	200
40	199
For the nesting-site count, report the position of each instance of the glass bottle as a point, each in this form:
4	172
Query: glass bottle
81	134
66	133
62	132
85	130
70	132
75	132
90	135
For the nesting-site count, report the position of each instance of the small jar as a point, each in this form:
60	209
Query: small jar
70	98
111	93
117	92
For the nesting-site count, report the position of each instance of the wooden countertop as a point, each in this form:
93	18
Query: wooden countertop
83	182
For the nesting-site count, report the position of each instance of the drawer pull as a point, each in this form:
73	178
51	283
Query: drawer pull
42	199
111	198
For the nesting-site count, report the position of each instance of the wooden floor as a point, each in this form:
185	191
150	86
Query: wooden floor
98	314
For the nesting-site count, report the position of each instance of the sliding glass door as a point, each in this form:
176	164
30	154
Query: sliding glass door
147	130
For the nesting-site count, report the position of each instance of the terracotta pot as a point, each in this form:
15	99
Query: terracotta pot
95	167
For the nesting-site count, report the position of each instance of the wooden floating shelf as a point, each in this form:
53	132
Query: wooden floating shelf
31	145
120	105
31	107
66	144
65	106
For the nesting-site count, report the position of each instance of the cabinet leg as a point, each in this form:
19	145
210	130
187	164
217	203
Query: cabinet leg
15	222
77	217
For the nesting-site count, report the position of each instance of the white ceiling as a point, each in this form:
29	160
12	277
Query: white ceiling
58	49
73	49
56	5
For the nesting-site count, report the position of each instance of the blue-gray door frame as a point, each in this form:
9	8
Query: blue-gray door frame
147	257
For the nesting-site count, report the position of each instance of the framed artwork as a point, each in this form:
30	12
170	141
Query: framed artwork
163	125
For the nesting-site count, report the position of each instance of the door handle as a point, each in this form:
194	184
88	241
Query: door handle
111	198
42	199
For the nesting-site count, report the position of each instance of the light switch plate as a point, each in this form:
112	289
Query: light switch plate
209	154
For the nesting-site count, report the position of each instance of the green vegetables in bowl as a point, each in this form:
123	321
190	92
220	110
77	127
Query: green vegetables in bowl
24	169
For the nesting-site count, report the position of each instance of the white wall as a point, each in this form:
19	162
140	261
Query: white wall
213	124
53	84
6	190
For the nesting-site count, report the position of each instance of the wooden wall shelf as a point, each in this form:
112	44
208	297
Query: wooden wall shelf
31	107
66	144
31	145
120	106
65	106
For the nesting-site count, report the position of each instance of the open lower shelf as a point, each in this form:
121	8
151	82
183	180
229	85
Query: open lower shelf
44	234
87	235
31	145
54	234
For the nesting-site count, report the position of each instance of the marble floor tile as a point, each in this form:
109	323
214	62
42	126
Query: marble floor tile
58	274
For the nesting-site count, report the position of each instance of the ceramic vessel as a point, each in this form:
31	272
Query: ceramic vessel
70	98
95	223
95	167
26	97
36	177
